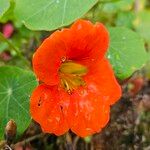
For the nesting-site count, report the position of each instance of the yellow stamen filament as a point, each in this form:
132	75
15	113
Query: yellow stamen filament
71	75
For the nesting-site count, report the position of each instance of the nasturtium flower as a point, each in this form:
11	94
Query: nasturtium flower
77	81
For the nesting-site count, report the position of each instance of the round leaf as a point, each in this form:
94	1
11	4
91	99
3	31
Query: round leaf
116	5
50	14
125	19
4	5
16	86
126	53
9	14
143	24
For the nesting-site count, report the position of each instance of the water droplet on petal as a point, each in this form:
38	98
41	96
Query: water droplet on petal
58	119
88	129
50	120
45	96
79	26
76	114
63	59
84	93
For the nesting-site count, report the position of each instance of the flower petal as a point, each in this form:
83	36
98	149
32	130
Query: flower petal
90	111
48	58
83	43
92	102
88	42
49	108
101	73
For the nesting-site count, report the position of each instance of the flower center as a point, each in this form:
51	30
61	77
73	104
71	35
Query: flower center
71	75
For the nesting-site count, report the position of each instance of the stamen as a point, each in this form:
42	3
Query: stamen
71	76
73	68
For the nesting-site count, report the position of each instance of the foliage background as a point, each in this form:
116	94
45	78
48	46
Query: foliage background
130	117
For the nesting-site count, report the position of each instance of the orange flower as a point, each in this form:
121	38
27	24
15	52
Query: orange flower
78	82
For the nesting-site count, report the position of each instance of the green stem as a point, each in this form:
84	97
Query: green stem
2	38
69	145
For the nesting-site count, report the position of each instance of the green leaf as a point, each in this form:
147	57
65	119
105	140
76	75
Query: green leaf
125	19
4	6
118	5
51	14
16	86
9	14
143	24
126	53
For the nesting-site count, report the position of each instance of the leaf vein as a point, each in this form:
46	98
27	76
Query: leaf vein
64	12
43	9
